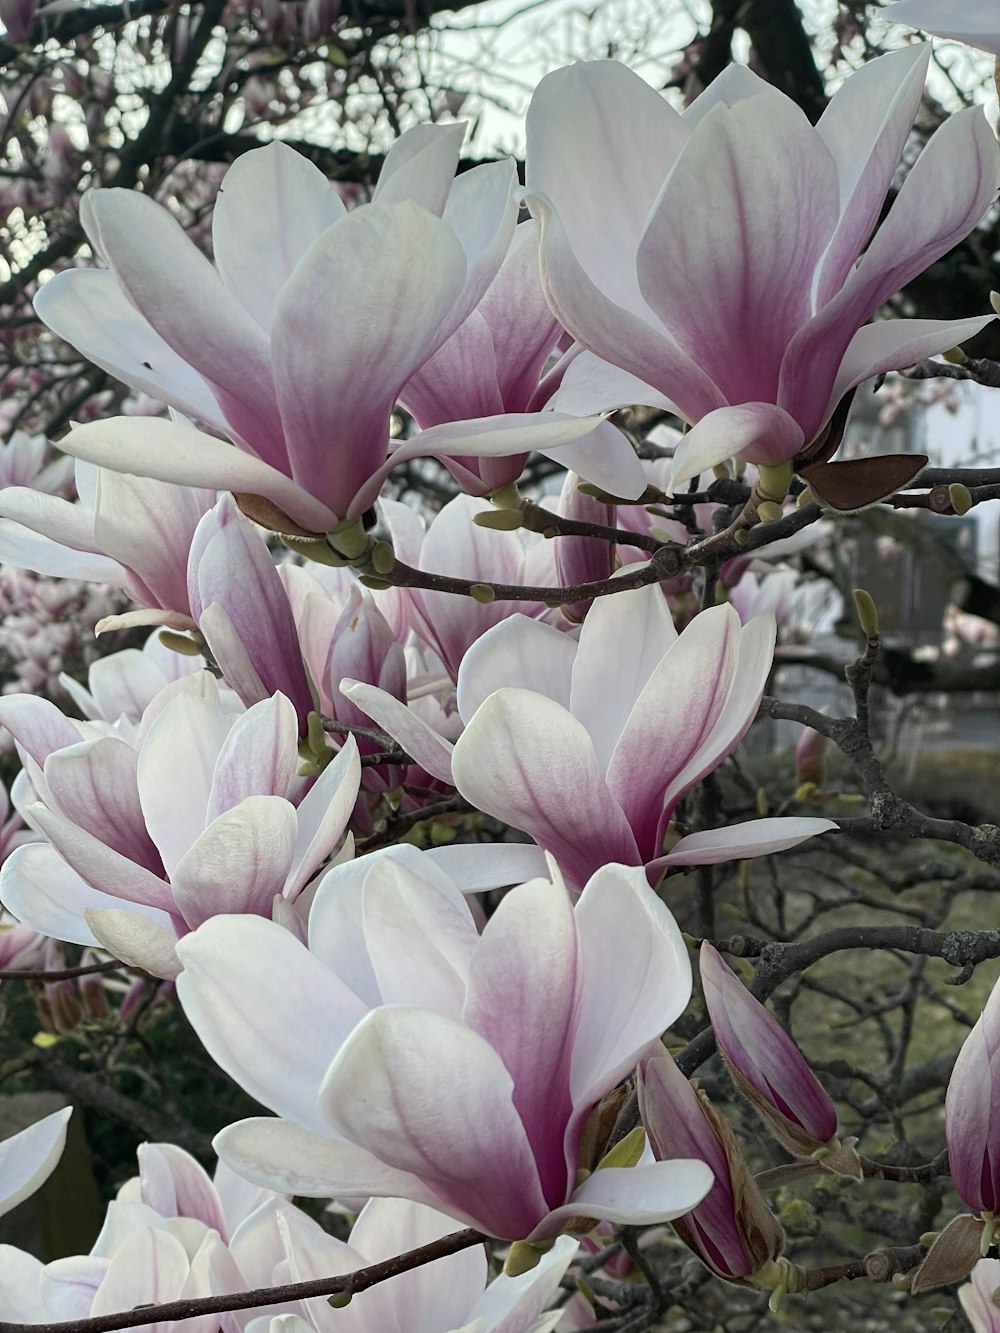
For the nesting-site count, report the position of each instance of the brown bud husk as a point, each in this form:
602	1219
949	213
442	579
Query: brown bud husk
268	515
761	1234
952	1256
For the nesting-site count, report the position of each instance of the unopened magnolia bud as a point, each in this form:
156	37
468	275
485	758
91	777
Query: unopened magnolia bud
769	512
370	581
340	1300
720	472
955	356
502	520
804	497
969	1117
482	593
766	1065
734	1233
383	558
810	759
900	1282
867	613
179	643
741	537
64	1007
960	497
94	998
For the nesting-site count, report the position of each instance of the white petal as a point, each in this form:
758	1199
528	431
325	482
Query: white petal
28	1158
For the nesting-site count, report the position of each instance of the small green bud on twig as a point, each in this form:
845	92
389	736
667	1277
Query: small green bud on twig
383	558
179	643
482	593
502	520
867	613
769	512
960	497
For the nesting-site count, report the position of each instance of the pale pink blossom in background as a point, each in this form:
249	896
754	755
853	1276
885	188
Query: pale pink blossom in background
198	810
25	460
450	1295
130	532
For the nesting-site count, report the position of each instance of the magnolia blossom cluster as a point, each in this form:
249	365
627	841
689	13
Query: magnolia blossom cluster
449	1059
174	1233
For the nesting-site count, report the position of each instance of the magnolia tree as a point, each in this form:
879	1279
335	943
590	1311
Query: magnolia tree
452	513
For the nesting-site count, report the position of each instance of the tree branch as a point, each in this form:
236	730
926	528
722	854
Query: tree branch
350	1284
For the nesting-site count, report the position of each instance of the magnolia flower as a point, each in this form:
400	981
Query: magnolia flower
174	1231
452	1069
171	1233
453	543
202	812
121	686
593	771
131	532
975	22
765	1063
972	1113
24	461
493	365
450	1294
743	300
28	1158
273	346
979	1299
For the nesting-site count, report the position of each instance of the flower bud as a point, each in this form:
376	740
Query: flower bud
810	758
731	1230
765	1063
583	559
972	1113
867	613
